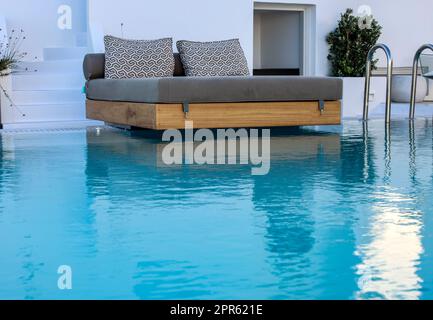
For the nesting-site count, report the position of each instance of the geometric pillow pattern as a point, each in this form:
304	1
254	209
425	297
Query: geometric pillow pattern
126	59
210	59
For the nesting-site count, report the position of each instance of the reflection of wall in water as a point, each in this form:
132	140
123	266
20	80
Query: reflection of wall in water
389	234
294	201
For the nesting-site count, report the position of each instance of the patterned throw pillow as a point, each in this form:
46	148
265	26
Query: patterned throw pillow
218	58
126	59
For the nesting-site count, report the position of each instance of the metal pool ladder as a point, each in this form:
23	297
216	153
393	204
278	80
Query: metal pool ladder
390	63
415	78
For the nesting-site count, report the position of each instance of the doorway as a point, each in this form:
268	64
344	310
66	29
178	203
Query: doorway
284	39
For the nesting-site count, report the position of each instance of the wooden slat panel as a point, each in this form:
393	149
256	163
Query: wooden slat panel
238	115
124	113
215	115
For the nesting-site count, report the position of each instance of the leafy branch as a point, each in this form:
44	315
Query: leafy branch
10	56
350	42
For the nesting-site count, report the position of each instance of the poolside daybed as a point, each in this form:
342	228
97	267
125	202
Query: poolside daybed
211	102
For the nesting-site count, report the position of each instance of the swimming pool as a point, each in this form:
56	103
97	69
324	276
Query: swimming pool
344	213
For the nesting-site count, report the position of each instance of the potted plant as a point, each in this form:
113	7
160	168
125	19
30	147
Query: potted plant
10	56
349	44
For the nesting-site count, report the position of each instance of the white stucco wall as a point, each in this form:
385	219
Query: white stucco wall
406	24
199	20
39	21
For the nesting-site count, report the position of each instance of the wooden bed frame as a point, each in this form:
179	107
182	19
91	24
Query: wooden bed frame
216	115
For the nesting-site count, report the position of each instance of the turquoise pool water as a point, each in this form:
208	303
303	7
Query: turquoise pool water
343	214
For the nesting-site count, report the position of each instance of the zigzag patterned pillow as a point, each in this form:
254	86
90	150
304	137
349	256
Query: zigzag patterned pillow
125	59
218	58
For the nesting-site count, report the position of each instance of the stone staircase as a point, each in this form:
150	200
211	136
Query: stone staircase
50	90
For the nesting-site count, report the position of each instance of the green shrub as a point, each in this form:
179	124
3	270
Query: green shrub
350	42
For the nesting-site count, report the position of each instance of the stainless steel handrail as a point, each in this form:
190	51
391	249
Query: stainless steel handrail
390	63
415	78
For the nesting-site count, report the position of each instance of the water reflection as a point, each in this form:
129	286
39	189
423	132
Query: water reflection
387	155
391	246
28	264
412	151
316	180
2	174
284	201
343	213
390	256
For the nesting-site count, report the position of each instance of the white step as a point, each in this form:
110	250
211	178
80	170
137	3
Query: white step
47	96
63	53
51	112
52	125
47	81
51	66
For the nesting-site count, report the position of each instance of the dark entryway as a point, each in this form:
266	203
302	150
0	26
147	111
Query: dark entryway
278	42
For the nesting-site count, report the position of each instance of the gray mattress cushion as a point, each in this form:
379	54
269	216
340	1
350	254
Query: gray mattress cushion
215	89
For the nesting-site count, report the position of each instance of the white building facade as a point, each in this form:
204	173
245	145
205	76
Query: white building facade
281	35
